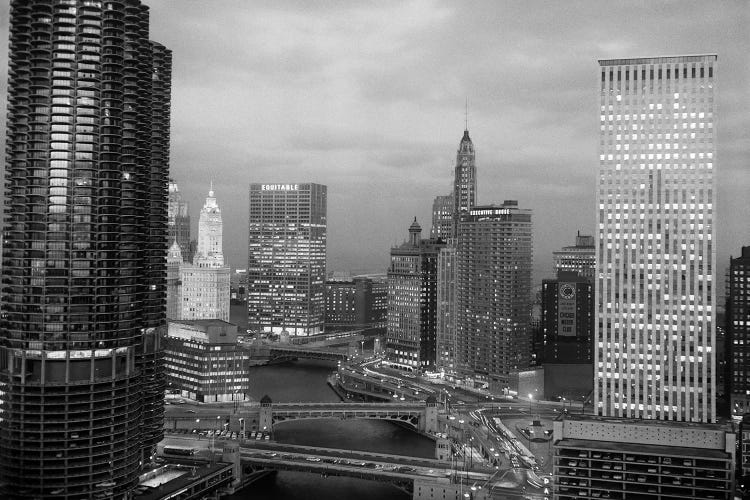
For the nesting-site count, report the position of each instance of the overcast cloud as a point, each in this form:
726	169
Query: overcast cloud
368	98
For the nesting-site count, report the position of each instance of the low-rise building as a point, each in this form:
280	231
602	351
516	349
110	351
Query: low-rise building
619	458
204	362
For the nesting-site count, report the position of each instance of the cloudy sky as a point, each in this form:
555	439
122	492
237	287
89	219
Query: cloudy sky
368	98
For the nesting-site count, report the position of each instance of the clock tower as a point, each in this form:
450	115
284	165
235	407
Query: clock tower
464	181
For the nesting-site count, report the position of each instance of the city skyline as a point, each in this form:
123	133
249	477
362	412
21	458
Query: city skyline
377	117
125	373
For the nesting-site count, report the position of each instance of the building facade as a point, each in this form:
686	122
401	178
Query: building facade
446	310
85	232
238	286
743	459
655	329
287	258
411	336
464	180
579	258
174	282
493	288
204	362
204	284
178	220
442	217
618	458
358	302
568	319
738	333
567	325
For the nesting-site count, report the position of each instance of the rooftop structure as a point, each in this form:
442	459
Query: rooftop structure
579	258
620	458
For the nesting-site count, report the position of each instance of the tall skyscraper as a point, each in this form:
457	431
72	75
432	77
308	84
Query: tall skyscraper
446	310
210	252
738	333
442	217
464	180
411	341
446	217
178	219
493	292
85	235
579	258
287	258
655	326
203	291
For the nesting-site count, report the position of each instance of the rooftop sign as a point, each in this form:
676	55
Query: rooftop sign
279	187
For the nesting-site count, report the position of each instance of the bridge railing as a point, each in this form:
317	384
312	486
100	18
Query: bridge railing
351	406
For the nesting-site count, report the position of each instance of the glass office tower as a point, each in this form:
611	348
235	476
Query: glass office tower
83	295
286	266
656	254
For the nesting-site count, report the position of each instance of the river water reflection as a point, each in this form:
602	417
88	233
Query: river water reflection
305	381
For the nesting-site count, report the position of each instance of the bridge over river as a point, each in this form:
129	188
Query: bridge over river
257	458
264	416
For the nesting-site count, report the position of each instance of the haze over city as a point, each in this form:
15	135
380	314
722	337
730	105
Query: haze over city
369	100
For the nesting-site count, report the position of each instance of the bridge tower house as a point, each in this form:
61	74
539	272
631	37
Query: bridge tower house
265	418
429	423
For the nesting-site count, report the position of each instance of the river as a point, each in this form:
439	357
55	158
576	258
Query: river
303	381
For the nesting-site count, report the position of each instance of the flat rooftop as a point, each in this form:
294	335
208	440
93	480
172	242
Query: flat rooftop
642	421
168	478
647	449
688	58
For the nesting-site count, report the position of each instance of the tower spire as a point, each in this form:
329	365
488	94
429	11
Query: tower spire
466	115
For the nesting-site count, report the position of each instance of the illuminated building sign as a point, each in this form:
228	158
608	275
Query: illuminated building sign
279	187
493	211
566	310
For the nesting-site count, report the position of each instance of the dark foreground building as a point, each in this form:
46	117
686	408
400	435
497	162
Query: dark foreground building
738	333
567	326
83	294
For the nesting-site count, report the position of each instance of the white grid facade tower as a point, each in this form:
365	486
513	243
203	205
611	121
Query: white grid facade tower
655	328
